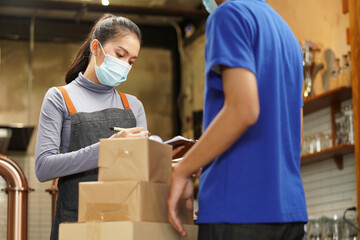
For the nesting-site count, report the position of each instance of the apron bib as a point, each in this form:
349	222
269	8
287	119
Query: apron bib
86	129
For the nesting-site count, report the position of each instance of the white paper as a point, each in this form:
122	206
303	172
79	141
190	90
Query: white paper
178	138
177	160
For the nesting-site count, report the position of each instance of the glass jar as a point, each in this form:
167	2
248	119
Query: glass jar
312	145
317	142
335	79
348	137
307	67
303	149
340	73
336	228
326	228
314	230
306	145
339	126
346	72
326	141
348	69
348	232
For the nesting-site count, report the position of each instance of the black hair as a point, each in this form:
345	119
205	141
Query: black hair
107	27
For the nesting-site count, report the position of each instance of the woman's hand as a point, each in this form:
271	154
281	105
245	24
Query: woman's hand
176	150
131	132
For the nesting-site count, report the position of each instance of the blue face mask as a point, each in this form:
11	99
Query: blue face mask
210	5
112	71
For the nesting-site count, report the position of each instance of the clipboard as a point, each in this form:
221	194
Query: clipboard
180	141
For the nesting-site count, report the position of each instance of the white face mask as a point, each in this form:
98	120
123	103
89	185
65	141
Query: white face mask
210	5
112	71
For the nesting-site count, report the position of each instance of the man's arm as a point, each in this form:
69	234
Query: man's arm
302	128
240	111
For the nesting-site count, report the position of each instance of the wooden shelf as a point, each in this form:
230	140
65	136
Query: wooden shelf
326	99
345	6
337	152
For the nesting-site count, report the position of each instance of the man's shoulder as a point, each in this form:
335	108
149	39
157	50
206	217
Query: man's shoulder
235	13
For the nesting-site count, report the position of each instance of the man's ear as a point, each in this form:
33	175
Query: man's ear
95	47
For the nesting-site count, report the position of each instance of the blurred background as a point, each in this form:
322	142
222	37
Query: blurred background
40	38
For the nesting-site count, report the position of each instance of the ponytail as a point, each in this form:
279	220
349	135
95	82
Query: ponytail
80	63
107	27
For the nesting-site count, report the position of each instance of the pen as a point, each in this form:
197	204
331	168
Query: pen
119	129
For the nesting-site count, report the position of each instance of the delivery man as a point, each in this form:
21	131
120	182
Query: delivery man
250	185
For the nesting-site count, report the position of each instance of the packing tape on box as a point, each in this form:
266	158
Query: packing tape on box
120	154
107	211
104	209
93	231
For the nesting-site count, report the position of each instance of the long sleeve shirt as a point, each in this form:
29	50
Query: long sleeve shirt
52	159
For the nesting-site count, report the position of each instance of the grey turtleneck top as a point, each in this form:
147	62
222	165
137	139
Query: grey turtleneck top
54	127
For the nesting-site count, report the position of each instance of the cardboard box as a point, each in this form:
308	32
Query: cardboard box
123	231
126	200
134	159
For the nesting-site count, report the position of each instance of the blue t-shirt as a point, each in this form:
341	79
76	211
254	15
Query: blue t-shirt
257	180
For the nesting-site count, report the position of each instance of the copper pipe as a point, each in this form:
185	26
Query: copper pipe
53	191
17	191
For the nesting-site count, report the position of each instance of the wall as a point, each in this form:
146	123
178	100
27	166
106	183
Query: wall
152	71
192	83
328	190
151	81
49	66
323	23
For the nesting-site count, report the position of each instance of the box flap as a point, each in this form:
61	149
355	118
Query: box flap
160	161
123	156
134	159
101	202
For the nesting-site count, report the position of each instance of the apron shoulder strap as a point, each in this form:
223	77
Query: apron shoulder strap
124	100
68	102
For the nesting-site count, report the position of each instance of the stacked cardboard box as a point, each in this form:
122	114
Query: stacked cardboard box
130	197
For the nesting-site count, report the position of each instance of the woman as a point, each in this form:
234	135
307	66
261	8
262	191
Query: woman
73	118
